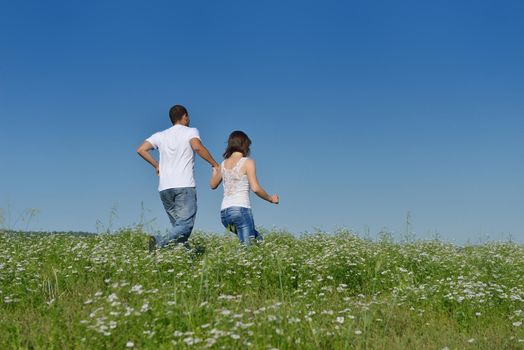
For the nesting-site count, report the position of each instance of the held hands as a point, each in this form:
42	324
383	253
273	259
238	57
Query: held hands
216	178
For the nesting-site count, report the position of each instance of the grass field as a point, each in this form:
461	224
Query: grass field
315	291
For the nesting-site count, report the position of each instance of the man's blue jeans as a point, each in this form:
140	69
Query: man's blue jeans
239	220
181	207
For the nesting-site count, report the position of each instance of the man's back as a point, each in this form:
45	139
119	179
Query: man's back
176	156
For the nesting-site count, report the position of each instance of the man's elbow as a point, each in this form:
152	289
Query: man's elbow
141	151
196	145
198	149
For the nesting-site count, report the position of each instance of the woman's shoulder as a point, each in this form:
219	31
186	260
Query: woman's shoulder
248	162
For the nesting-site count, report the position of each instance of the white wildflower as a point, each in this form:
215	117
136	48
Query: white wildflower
137	288
191	340
145	307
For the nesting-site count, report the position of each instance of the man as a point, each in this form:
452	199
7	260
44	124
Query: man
177	146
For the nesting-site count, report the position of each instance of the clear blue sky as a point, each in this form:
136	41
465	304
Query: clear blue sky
359	111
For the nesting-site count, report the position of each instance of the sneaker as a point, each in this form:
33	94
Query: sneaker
152	244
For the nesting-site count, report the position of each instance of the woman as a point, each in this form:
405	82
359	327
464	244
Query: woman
239	175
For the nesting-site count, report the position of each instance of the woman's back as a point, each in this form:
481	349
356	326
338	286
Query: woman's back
236	184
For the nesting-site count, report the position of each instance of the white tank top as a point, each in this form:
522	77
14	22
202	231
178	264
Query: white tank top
236	186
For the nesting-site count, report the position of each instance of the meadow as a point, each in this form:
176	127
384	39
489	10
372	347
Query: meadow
313	291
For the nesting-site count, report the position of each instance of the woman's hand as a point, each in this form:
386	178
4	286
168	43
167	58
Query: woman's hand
216	178
274	199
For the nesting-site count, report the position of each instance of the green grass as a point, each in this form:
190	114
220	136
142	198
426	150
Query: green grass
315	291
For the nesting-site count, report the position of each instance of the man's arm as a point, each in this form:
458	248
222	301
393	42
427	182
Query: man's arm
143	151
199	148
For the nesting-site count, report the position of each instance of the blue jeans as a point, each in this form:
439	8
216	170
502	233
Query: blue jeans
181	207
239	220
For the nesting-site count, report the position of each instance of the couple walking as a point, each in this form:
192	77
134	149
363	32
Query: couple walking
177	146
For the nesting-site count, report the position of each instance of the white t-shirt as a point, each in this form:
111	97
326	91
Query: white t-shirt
177	158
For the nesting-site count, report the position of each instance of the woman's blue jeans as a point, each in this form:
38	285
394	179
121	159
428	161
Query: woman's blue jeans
181	207
239	220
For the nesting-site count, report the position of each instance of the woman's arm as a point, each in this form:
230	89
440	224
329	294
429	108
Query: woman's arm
216	178
251	172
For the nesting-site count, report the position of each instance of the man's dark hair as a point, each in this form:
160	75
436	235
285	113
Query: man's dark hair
176	113
238	142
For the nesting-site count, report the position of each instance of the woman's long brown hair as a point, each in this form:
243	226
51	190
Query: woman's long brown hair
238	141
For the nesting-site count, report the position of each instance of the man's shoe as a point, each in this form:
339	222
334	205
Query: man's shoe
152	244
